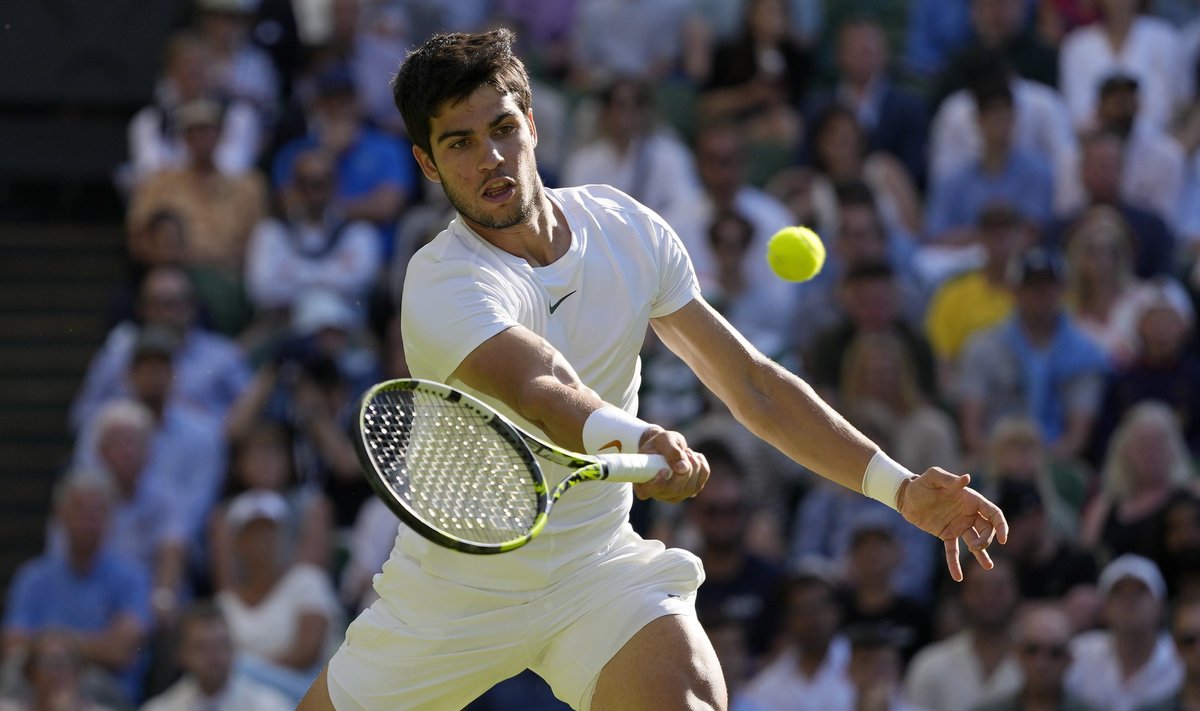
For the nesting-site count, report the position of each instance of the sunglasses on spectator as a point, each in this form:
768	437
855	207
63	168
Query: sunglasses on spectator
1054	651
1187	639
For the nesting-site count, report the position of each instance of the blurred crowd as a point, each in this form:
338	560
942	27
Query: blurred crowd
1009	192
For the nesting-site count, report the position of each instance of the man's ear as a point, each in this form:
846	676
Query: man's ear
425	161
532	126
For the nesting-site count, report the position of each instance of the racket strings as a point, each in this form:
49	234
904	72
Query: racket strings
448	465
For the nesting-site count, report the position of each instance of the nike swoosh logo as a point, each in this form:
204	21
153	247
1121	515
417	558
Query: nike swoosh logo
556	304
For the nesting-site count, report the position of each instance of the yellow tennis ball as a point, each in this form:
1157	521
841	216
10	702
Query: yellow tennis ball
795	253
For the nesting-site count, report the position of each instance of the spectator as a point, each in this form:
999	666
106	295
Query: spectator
1185	629
876	668
1131	662
649	45
1035	363
879	378
977	664
1101	172
187	451
263	460
366	38
156	139
979	298
210	681
739	583
823	527
1124	41
811	670
1001	26
894	119
283	614
759	310
721	167
376	175
1004	172
209	370
99	597
632	153
239	69
311	246
1041	124
936	30
758	78
1154	162
871	302
860	239
1146	464
1049	568
1043	640
218	211
311	383
869	597
1181	545
1103	292
162	242
146	525
840	157
1016	452
53	672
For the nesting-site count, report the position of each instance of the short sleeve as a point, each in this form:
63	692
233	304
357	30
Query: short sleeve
677	285
21	611
446	312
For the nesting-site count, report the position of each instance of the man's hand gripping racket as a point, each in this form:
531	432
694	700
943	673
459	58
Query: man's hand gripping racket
461	474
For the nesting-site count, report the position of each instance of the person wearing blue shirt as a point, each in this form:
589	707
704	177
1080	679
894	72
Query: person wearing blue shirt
1002	174
87	589
375	172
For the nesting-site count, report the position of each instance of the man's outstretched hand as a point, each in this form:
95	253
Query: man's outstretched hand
940	503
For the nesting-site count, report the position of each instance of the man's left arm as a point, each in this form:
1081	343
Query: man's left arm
784	410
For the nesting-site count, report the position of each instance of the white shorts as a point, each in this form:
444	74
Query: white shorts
445	643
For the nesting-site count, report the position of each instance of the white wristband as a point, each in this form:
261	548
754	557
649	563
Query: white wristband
883	477
611	429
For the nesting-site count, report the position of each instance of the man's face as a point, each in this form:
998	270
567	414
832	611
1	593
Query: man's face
990	596
861	52
167	300
1132	608
124	449
1043	649
206	652
1186	630
84	515
482	155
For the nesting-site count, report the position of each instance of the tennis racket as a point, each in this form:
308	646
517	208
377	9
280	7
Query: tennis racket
461	474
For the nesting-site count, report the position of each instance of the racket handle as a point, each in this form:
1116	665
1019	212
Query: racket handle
635	468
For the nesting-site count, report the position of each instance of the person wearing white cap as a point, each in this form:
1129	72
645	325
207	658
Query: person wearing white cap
283	615
1132	662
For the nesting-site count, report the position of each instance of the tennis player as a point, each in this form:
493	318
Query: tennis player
537	301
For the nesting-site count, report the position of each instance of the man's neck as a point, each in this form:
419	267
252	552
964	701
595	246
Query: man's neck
1041	699
991	645
994	158
1190	695
81	560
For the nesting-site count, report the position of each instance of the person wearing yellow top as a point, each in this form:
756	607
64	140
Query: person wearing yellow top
978	299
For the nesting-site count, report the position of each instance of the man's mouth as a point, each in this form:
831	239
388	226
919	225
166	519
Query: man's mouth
499	190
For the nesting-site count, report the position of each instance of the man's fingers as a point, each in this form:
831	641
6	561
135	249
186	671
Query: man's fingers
995	517
952	561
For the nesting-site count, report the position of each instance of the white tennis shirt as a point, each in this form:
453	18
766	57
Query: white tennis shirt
625	266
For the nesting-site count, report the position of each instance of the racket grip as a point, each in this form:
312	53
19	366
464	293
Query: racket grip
635	468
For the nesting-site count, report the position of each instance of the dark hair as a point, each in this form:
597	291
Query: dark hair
832	113
733	217
869	271
200	611
450	67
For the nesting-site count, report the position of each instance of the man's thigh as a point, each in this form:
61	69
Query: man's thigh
669	665
386	663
